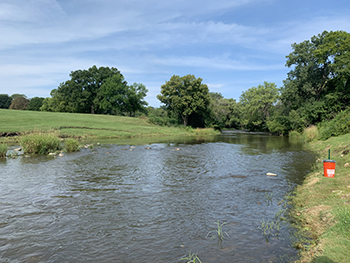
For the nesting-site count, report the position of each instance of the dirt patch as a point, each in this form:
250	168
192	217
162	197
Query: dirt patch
9	134
312	180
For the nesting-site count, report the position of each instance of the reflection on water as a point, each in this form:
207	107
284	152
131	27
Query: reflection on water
114	203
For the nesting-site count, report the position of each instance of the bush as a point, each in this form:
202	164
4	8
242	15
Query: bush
71	145
40	143
338	126
3	150
310	134
162	121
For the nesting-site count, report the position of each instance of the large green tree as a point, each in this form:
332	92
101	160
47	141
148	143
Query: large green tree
318	85
96	90
35	103
5	101
185	96
257	105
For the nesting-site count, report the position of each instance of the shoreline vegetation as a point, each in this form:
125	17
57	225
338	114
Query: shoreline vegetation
321	205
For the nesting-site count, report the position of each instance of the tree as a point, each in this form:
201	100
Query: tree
225	112
5	101
19	103
318	86
257	103
35	103
82	92
185	96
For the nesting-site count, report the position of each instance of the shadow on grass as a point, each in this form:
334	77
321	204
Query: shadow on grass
322	259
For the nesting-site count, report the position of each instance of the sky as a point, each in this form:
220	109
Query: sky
232	45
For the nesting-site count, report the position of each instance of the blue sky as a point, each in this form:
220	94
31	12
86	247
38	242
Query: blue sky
232	45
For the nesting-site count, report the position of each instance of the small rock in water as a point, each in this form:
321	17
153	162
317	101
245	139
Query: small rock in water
148	148
52	154
271	174
17	149
177	149
27	156
61	155
132	147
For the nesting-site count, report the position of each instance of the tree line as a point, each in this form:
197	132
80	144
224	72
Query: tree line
316	89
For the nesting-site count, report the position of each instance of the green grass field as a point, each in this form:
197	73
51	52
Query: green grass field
322	204
83	125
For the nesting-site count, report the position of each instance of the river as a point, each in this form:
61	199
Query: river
151	203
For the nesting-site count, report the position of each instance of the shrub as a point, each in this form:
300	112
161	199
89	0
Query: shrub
3	150
71	145
310	134
294	135
338	126
40	143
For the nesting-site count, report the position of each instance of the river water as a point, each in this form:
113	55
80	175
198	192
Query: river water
129	203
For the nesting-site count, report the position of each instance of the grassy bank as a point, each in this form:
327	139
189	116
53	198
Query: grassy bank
322	205
84	125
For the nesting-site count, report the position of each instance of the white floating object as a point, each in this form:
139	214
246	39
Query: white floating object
271	174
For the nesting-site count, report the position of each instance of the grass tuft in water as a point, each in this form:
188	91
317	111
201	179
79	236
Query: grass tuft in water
71	145
3	150
218	232
191	258
40	143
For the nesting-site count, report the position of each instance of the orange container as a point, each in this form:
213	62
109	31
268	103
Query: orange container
329	168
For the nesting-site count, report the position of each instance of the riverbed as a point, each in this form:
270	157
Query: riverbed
153	202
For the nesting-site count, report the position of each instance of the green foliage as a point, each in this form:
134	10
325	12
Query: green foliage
97	90
40	143
310	134
5	101
19	103
218	233
191	258
225	113
186	96
3	150
71	145
257	104
35	103
318	85
338	126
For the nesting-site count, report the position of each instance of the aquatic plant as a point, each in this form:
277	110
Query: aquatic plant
3	150
270	228
192	258
71	145
218	232
268	198
40	143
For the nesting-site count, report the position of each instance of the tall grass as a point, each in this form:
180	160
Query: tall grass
40	143
310	134
71	145
3	150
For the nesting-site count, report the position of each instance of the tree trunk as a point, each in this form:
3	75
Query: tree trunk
92	109
185	119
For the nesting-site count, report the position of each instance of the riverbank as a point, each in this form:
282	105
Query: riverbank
14	123
322	205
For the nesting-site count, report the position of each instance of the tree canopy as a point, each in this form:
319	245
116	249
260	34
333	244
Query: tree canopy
257	103
185	96
96	90
318	86
35	103
19	103
5	101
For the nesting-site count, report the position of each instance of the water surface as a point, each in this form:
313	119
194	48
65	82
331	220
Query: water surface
125	203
